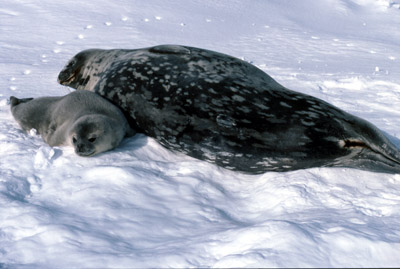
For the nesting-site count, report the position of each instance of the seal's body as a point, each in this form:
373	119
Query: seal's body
80	119
218	108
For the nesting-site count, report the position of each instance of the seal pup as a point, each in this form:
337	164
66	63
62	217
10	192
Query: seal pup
80	119
221	109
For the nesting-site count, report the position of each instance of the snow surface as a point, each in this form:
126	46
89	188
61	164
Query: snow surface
143	206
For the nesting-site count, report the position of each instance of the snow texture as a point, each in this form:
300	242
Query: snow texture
143	206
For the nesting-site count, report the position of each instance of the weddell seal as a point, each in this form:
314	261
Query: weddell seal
80	119
221	109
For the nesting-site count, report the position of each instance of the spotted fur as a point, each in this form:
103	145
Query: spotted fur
221	109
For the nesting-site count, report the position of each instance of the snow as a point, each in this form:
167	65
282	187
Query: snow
143	206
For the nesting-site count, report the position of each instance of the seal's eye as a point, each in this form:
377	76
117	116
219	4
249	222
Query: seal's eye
74	139
91	140
71	63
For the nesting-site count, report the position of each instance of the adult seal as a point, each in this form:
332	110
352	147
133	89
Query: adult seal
80	119
221	109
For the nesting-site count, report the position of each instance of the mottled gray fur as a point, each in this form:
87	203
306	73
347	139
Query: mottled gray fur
221	109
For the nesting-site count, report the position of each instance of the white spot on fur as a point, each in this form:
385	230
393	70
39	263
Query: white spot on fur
307	123
285	104
245	109
238	98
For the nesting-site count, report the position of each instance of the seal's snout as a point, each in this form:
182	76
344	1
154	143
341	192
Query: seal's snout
68	74
80	147
83	150
64	77
61	78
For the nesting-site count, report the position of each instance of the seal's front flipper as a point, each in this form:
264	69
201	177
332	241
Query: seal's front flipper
130	131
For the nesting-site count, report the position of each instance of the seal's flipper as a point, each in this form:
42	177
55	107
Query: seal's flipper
16	101
130	131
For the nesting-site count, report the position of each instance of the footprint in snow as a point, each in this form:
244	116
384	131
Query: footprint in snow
45	156
35	183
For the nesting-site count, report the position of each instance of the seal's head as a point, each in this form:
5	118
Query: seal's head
74	72
93	134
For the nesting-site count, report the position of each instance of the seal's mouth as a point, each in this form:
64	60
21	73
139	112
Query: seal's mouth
85	154
63	79
66	81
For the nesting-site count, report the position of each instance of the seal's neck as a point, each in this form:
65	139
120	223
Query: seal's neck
91	73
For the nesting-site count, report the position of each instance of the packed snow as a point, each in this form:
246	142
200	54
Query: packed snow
141	205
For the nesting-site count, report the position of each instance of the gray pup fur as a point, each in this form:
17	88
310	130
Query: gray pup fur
223	110
80	119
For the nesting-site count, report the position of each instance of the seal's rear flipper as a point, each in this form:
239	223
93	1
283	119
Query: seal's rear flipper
379	155
16	101
370	160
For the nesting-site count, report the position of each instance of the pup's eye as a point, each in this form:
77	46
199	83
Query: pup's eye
91	140
74	139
